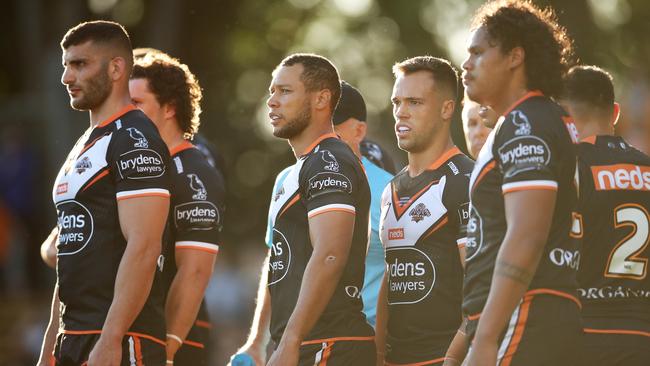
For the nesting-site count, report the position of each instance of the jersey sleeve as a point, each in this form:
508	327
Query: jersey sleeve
329	183
527	152
139	159
456	199
385	206
198	210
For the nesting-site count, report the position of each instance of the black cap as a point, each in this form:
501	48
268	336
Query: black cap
351	105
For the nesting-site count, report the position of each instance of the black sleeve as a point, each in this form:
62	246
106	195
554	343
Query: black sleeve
139	160
456	201
329	183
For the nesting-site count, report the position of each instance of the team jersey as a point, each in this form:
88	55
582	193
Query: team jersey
121	158
197	207
614	206
327	177
531	147
423	223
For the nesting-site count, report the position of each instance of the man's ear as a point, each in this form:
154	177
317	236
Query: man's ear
322	99
169	110
616	114
517	57
360	131
447	110
117	68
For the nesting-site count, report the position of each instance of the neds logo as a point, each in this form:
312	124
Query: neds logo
621	177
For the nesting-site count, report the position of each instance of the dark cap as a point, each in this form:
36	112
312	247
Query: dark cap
351	105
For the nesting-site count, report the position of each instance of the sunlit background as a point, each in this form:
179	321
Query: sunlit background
232	47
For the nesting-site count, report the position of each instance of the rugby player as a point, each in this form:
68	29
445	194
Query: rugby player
168	92
520	300
614	206
319	217
475	129
424	212
107	250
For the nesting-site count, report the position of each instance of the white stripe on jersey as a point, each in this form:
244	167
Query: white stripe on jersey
142	192
509	333
461	241
528	184
196	245
331	207
132	359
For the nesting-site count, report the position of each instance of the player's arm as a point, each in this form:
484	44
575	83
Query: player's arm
255	345
516	264
331	237
194	269
381	322
49	339
48	248
458	348
135	274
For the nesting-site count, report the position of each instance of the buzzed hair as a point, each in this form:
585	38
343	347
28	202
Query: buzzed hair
444	74
101	32
590	85
318	73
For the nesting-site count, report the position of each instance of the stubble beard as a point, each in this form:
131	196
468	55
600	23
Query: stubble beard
96	91
296	125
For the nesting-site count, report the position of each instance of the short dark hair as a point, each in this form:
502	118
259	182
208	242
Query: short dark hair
518	23
102	32
590	85
172	83
318	73
444	73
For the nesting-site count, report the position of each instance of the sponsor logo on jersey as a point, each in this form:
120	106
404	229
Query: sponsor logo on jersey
280	260
140	140
621	177
328	157
396	234
196	216
520	120
474	234
325	182
463	213
411	275
62	188
278	194
419	212
140	164
453	167
200	193
83	165
613	292
75	225
565	258
524	154
353	292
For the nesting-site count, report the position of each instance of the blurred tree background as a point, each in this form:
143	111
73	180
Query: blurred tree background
232	47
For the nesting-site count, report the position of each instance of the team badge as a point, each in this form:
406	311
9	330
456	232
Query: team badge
278	194
200	193
141	141
520	120
83	165
332	164
419	212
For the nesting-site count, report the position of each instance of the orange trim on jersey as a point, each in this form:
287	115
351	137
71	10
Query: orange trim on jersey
90	144
617	331
318	141
327	352
337	339
529	188
423	363
98	177
530	94
332	209
203	324
52	360
115	116
138	351
166	195
446	156
440	224
474	316
399	208
291	203
590	140
141	335
518	333
194	344
489	166
634	256
192	247
548	291
180	147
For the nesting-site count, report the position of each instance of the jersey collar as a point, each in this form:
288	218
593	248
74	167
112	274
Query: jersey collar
530	94
446	156
117	115
181	147
318	141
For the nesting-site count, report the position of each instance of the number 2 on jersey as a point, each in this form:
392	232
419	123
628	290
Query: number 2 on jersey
623	261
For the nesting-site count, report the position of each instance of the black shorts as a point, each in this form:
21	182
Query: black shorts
543	330
616	349
196	348
137	350
338	353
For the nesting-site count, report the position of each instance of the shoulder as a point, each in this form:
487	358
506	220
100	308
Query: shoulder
331	155
534	115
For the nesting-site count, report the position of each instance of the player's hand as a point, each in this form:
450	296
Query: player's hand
251	354
243	359
285	355
106	353
482	354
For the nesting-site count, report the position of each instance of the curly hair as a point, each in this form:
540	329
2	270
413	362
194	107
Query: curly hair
172	83
518	23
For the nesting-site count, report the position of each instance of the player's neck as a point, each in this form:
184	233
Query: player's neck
303	141
171	134
113	104
595	128
422	160
507	99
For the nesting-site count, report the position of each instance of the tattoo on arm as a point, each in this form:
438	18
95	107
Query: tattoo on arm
516	273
